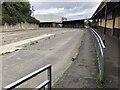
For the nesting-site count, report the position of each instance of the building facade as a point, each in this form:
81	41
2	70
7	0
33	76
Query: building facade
50	20
108	18
73	24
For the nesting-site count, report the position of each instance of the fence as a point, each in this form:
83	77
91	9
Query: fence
29	76
100	47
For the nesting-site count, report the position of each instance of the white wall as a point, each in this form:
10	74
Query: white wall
22	26
48	18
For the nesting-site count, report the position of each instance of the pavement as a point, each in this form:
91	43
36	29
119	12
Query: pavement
57	50
112	56
84	70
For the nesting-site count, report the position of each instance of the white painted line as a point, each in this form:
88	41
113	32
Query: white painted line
13	46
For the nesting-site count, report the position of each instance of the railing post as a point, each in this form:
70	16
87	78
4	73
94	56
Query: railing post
43	88
49	78
31	75
102	76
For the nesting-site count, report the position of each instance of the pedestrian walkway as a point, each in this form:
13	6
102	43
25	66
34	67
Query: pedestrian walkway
83	71
112	52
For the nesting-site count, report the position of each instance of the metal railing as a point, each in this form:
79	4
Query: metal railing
31	75
100	47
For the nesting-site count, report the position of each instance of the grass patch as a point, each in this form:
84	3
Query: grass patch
99	81
98	77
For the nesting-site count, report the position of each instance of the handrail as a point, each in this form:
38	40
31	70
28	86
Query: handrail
29	76
100	52
101	41
42	85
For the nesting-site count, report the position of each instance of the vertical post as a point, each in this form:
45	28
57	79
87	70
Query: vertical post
49	78
43	88
113	17
105	23
102	77
97	22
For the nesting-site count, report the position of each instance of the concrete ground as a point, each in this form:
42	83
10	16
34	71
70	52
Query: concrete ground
15	36
84	70
57	50
75	76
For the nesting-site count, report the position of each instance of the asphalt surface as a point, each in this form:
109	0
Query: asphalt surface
84	70
10	37
57	50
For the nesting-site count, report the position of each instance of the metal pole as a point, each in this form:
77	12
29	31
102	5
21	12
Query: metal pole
29	76
43	88
97	22
102	77
105	23
49	78
113	17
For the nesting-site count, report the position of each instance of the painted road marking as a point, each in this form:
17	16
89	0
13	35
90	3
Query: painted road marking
13	46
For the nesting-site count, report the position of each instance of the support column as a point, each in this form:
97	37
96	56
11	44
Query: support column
97	24
113	17
105	23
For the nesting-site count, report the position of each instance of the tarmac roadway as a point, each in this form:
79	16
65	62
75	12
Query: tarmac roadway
33	49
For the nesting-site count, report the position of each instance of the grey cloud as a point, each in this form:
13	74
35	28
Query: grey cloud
69	7
66	5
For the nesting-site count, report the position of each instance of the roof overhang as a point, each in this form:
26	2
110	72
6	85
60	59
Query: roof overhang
100	12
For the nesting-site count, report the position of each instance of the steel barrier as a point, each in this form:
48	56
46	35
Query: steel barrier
31	75
100	47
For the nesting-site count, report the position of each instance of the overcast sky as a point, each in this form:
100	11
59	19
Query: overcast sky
70	9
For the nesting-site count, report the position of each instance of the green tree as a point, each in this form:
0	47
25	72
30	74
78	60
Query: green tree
17	12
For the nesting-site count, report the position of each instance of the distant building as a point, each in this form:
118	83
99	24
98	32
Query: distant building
50	20
73	23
